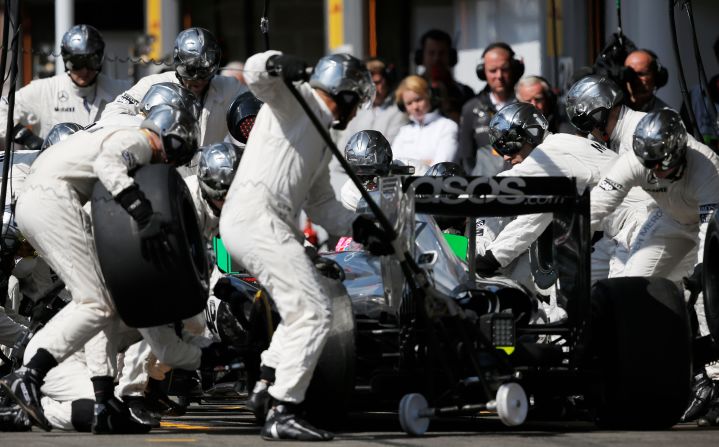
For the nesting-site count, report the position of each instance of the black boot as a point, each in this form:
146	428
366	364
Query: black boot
140	412
711	417
14	419
259	401
703	392
284	423
24	388
114	417
157	400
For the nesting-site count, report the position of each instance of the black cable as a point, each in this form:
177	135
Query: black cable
682	80
620	32
265	25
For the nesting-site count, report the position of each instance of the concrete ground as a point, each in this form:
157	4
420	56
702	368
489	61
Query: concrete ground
232	425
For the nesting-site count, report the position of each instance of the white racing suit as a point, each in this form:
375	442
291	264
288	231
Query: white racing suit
50	214
666	240
68	384
213	125
162	348
561	155
46	102
283	170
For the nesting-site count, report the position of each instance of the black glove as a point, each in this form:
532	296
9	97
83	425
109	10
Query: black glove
487	264
136	204
374	239
291	68
151	225
694	282
217	354
23	135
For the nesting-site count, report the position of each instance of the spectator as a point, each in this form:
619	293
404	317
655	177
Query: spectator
384	116
429	138
648	76
501	70
234	69
536	90
437	55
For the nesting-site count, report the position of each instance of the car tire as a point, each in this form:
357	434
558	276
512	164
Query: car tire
642	341
710	272
151	291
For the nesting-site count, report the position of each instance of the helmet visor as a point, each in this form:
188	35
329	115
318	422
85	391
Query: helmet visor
194	73
80	61
506	138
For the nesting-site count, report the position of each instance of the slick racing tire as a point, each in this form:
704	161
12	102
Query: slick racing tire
151	289
711	277
642	342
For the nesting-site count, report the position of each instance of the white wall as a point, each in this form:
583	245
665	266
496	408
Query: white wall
481	22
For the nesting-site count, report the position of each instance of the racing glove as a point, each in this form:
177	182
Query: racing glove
486	264
217	354
374	239
150	224
136	204
23	135
291	68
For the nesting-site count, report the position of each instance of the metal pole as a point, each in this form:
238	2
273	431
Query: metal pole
64	19
11	7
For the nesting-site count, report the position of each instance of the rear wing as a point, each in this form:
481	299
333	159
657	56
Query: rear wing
511	196
493	196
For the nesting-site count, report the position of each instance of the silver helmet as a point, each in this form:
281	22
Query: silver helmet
590	100
59	132
82	47
241	116
216	168
196	54
445	169
516	124
170	93
339	74
660	139
369	153
177	128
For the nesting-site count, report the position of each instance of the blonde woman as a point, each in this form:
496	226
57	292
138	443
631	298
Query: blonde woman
429	138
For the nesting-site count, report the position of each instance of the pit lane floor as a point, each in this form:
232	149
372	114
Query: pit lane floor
232	425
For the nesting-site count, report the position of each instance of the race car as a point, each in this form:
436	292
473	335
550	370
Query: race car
425	331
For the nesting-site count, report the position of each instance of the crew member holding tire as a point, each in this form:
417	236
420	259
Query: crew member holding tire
283	170
51	216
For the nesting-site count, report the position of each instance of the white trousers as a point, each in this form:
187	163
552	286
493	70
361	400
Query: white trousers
54	222
662	247
269	249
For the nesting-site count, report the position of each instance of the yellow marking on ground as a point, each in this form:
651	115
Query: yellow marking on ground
233	407
183	426
171	440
